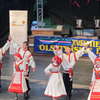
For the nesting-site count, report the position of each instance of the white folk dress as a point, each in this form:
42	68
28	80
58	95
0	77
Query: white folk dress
26	56
18	83
55	87
95	88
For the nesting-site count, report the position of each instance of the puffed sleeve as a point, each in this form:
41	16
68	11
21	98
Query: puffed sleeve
5	47
91	55
79	53
30	59
48	68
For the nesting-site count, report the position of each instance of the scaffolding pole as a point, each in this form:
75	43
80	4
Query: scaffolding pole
40	12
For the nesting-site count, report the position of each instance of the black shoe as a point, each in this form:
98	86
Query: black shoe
69	98
26	96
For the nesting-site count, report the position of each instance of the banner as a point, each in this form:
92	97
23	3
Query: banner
18	26
44	44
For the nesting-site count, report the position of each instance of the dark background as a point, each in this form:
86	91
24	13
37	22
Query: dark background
5	6
70	8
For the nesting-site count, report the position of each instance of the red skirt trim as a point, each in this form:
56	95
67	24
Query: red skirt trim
55	72
95	96
16	88
97	78
54	96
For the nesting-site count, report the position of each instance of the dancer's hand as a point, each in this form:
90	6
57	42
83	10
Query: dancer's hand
9	38
48	73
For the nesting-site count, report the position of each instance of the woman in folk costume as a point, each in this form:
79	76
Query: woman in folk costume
69	59
2	53
55	87
95	81
27	56
18	83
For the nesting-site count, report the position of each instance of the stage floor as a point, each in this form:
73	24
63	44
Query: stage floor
38	79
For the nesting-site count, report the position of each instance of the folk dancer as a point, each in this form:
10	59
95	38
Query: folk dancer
27	56
2	53
55	87
18	83
69	59
95	81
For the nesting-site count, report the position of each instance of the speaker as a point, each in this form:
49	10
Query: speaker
78	23
97	23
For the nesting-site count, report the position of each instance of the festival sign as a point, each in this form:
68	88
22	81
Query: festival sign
44	44
18	26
